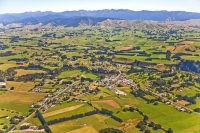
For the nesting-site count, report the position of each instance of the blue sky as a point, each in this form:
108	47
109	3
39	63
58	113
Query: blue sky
18	6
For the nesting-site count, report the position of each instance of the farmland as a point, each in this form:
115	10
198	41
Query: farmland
132	76
21	72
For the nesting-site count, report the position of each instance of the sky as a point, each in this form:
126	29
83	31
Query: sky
19	6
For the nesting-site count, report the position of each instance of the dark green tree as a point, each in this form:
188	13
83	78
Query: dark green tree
168	55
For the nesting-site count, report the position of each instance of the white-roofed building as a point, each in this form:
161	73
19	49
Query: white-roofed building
2	84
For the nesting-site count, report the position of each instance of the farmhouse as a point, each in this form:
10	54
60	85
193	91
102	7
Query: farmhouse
2	84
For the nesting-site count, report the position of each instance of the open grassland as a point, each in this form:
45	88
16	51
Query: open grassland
97	122
20	86
21	72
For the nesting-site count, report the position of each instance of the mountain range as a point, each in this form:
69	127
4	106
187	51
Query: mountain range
74	18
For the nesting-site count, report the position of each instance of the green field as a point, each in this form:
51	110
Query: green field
83	109
128	115
67	74
63	105
170	118
96	121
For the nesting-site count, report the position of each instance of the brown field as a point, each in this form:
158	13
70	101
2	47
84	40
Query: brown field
4	67
160	67
171	48
21	72
109	102
21	97
126	48
62	110
181	48
183	102
187	42
124	59
20	86
88	129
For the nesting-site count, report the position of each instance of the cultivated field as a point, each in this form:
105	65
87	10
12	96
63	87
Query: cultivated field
21	72
108	102
64	110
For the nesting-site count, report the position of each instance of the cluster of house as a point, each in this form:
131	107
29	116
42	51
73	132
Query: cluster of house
118	80
36	89
111	81
81	101
47	101
182	109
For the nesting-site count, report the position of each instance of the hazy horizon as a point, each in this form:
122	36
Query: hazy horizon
20	6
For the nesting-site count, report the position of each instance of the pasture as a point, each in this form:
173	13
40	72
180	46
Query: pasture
64	110
73	111
4	67
128	115
19	101
20	86
168	117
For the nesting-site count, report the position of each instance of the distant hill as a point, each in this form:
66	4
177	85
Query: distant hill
92	17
